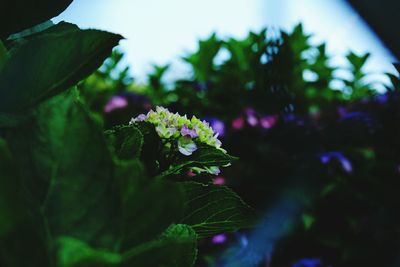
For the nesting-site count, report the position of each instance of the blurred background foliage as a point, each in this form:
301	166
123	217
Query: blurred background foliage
320	147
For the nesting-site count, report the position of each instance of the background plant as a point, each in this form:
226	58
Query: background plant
323	156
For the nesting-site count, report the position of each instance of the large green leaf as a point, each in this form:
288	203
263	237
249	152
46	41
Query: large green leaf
149	211
51	63
175	248
23	240
211	209
38	142
83	199
68	169
17	15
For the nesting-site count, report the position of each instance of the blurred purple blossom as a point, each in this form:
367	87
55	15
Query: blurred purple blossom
290	117
252	121
116	102
251	116
219	239
382	98
342	111
345	162
217	125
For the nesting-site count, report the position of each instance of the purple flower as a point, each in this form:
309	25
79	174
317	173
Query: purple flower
342	111
217	125
219	239
252	121
116	102
185	131
328	156
141	117
251	115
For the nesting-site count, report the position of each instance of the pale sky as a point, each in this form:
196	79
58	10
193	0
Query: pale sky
161	31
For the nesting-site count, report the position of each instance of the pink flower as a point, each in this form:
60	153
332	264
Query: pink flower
267	122
238	123
219	181
116	102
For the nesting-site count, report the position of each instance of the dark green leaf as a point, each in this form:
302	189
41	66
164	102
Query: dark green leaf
17	15
59	61
211	209
82	200
72	252
38	142
67	168
22	232
175	248
150	210
127	141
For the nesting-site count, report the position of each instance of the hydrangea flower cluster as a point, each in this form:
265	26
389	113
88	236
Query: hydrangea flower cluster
187	131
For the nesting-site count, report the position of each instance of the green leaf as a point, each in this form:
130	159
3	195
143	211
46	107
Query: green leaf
38	142
83	199
23	240
175	248
72	252
211	209
149	211
10	214
17	15
204	156
126	140
68	169
148	206
59	61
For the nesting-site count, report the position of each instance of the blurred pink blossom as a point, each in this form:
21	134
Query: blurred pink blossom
116	102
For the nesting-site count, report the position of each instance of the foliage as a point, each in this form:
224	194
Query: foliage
73	194
319	158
